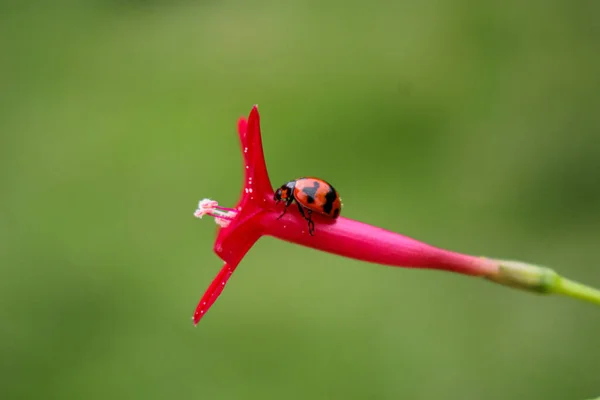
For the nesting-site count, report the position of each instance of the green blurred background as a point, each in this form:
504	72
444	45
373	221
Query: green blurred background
473	126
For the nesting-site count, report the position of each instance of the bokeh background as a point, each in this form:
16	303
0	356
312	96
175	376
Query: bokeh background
473	126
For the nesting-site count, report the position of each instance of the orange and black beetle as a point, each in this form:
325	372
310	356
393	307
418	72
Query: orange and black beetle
311	195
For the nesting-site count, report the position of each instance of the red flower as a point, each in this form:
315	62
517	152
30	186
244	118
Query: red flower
256	215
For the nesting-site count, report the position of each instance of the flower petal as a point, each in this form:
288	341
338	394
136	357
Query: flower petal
257	184
213	292
234	240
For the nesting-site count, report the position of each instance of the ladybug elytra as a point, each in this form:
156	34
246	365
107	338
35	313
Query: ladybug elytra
311	195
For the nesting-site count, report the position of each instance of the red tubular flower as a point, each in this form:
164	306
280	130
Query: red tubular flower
256	214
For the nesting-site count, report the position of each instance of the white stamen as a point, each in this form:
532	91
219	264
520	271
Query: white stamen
211	207
223	223
205	206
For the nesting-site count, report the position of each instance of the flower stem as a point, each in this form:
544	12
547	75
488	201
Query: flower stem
577	290
541	280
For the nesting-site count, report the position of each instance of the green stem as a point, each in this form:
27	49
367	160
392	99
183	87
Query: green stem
577	290
541	280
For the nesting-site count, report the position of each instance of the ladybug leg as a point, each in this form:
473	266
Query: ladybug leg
283	213
301	209
287	204
311	224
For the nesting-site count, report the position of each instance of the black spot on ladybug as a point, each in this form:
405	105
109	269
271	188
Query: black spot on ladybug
310	192
336	212
329	199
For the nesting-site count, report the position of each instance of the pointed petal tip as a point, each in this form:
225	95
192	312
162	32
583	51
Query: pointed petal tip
254	112
197	317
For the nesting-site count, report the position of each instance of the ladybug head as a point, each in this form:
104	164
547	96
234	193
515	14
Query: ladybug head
277	195
281	194
284	193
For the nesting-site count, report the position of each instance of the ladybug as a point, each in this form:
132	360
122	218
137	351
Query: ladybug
311	195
